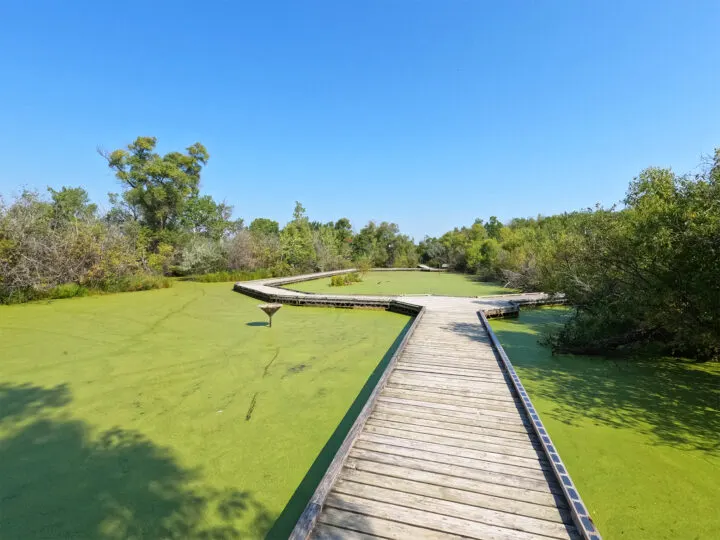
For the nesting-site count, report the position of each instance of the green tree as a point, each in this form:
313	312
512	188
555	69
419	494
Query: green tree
296	242
157	188
205	217
264	226
69	204
493	227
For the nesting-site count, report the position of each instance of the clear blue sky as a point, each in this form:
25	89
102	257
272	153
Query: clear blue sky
426	113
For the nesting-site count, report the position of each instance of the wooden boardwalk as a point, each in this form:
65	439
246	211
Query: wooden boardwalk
448	446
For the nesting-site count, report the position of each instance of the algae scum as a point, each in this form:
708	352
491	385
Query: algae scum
172	413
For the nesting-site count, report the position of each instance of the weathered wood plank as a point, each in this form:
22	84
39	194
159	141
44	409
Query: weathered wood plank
488	409
329	532
449	508
465	374
438	397
451	416
505	437
449	431
362	524
497	450
480	368
461	409
510	464
507	399
423	519
447	488
500	485
479	470
451	384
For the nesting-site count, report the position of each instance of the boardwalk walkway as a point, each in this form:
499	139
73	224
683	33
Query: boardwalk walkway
449	445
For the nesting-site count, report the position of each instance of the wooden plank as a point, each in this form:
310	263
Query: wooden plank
417	349
329	532
449	431
439	397
504	437
479	470
512	465
476	368
450	384
500	485
472	353
453	509
352	522
455	372
467	382
500	452
471	410
449	401
423	519
455	379
447	488
484	367
507	399
451	416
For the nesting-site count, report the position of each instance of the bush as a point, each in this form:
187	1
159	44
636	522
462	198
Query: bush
236	275
202	256
138	282
345	279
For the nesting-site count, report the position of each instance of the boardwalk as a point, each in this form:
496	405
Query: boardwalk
447	447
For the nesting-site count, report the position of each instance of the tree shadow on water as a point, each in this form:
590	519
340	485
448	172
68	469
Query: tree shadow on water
676	402
60	479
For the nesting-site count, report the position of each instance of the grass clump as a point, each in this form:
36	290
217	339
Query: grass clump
342	280
133	283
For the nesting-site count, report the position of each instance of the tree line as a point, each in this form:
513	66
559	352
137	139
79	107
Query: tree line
641	275
161	225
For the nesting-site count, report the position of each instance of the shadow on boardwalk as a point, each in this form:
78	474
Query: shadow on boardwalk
677	402
60	479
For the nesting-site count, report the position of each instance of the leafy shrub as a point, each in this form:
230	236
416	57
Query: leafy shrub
138	282
345	279
68	290
202	256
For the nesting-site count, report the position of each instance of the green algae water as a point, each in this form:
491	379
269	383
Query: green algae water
174	413
641	437
408	282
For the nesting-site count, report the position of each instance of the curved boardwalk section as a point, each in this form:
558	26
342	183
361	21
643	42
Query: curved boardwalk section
448	446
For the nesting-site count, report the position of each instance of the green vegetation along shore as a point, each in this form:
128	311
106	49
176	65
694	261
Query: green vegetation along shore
173	413
639	436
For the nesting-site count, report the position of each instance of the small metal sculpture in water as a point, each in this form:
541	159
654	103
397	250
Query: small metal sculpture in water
270	310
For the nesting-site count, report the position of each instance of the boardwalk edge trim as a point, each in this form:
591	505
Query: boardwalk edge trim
578	509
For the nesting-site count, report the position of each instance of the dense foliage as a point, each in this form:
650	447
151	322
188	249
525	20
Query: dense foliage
162	225
345	279
644	274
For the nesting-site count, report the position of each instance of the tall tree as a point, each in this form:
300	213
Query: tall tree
70	204
296	241
157	188
203	216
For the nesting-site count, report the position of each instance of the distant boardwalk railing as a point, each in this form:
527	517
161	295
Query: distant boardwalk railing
449	443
